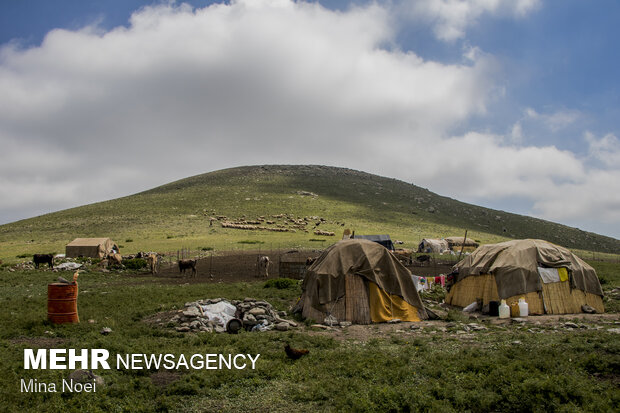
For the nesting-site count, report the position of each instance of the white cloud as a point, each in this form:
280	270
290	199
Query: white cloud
555	121
605	150
91	115
451	18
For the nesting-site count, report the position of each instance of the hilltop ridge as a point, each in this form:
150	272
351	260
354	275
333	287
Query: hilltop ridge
178	213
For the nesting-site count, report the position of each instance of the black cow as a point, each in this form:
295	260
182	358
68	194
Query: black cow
42	259
187	265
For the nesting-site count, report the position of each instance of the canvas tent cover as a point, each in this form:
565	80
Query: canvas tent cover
515	266
324	282
461	241
433	245
90	247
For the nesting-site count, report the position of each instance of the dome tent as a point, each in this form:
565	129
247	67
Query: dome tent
359	281
552	279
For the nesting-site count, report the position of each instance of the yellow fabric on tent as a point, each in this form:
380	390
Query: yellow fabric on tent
385	306
563	273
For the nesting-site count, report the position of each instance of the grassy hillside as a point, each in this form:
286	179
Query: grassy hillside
177	214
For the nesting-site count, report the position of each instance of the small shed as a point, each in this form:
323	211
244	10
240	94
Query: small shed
90	247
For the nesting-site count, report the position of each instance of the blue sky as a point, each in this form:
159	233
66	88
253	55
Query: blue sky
524	94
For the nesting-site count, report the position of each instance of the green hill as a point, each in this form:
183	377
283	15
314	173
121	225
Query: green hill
178	214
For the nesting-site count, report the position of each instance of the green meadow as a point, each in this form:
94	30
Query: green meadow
509	367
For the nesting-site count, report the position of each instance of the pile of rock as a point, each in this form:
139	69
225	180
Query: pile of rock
256	315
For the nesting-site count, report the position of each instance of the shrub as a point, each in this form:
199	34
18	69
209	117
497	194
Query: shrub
247	241
281	283
134	263
128	240
24	255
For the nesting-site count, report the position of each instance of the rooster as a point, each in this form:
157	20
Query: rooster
294	353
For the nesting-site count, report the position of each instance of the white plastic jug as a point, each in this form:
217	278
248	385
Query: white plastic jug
523	308
504	310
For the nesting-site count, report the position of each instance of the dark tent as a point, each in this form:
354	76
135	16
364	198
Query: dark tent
384	240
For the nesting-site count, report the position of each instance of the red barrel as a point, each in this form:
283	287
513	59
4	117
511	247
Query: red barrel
62	303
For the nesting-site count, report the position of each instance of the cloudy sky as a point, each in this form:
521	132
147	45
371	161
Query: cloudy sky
510	104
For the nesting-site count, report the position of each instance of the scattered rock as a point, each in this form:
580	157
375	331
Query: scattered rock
255	315
192	312
587	309
519	320
91	321
614	330
105	331
282	326
345	323
257	311
330	320
394	321
570	325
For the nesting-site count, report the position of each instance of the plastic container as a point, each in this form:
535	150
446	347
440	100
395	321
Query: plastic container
504	310
494	308
523	308
514	309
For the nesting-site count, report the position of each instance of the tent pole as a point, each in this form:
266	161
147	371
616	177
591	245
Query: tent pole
463	245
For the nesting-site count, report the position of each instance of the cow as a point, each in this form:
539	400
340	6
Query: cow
43	259
263	265
115	259
187	265
151	259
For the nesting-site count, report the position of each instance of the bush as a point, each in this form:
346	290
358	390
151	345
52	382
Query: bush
128	240
247	241
134	263
281	283
24	255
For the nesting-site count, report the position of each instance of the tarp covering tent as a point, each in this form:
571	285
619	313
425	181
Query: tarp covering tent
90	247
552	279
455	243
384	240
430	245
359	281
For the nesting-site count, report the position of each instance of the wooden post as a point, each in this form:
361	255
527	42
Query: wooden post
463	245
